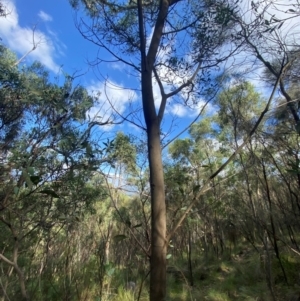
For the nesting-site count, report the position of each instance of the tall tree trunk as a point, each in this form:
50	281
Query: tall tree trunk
158	264
158	214
158	206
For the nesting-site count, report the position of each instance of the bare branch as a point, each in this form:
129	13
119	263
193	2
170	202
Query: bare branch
186	84
124	118
193	121
6	260
100	43
34	47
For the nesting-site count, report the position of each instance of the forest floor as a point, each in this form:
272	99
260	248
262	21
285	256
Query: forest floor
244	275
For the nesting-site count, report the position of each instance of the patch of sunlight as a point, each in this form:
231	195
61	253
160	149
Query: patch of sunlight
224	267
214	295
124	295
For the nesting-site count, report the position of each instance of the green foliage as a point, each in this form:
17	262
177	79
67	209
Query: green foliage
48	161
78	240
180	149
123	294
123	152
237	107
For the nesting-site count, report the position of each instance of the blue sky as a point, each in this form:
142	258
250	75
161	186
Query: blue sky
61	47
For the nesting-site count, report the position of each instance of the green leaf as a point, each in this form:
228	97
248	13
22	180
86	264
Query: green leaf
30	170
77	218
137	226
27	178
128	222
16	190
280	25
169	256
294	171
196	188
62	218
50	192
89	150
110	272
119	237
267	30
35	179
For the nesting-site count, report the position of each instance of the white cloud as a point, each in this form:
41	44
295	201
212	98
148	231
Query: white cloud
113	99
181	110
45	17
21	39
118	66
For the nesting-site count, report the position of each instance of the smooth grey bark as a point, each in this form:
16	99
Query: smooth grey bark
153	120
158	217
158	206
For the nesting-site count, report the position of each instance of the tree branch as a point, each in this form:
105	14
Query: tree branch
157	33
205	187
7	260
34	47
186	84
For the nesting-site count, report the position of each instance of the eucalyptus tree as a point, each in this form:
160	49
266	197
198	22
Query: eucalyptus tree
258	201
269	32
196	158
173	44
46	155
11	111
